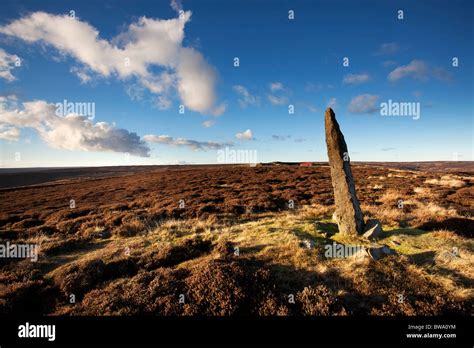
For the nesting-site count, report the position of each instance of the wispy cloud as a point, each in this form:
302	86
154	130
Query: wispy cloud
355	79
182	142
281	100
387	48
218	110
246	98
442	74
135	92
7	64
312	108
81	74
208	123
163	102
176	5
332	103
420	70
8	132
364	103
416	69
279	94
276	86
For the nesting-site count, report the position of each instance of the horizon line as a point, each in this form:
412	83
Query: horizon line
227	164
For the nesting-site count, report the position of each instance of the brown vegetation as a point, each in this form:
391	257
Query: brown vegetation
236	246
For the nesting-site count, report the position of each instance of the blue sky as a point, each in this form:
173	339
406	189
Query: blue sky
283	62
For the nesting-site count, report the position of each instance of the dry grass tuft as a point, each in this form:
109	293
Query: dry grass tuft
447	180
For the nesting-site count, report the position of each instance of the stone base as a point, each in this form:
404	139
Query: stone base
379	252
373	230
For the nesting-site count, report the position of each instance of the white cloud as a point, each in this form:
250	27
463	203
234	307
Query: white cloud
135	92
81	74
176	5
355	79
7	64
161	83
364	103
8	100
332	103
417	69
245	97
163	102
9	133
282	100
420	70
219	109
196	81
276	86
208	123
131	54
246	135
70	132
387	49
182	142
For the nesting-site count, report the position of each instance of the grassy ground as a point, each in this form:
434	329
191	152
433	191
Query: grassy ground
254	263
263	264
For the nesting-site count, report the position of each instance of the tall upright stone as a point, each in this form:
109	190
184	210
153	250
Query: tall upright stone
348	214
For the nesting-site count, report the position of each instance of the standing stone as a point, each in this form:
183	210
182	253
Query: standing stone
348	214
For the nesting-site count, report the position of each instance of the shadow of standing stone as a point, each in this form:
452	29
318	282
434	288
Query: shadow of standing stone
348	214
